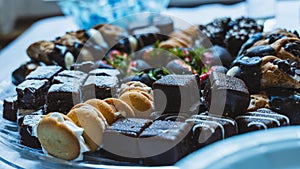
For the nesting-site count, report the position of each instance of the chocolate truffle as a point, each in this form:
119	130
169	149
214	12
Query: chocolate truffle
32	93
100	87
176	93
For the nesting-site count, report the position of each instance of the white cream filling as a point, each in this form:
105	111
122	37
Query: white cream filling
69	60
70	125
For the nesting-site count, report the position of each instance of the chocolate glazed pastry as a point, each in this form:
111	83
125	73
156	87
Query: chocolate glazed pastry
286	102
19	75
137	42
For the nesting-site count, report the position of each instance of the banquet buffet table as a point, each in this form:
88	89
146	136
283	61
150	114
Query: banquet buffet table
287	16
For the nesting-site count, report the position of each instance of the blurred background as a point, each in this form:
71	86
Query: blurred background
17	15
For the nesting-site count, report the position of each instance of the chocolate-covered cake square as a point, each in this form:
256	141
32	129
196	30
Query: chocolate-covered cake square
100	87
32	93
164	142
229	125
226	95
44	72
176	93
62	97
205	132
10	108
261	119
27	136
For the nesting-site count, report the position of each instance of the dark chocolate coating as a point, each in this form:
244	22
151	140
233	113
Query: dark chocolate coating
251	122
19	75
286	102
230	126
221	56
123	132
100	87
131	126
62	97
250	42
250	72
10	108
172	117
32	93
261	51
165	142
205	132
176	93
226	95
26	128
265	112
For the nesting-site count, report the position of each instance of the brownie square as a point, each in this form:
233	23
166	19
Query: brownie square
10	108
100	87
67	76
27	135
44	72
32	94
62	97
164	142
227	95
105	72
176	93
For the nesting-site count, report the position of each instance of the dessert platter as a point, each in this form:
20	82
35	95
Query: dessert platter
149	94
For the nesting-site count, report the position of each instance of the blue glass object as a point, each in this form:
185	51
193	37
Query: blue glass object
87	13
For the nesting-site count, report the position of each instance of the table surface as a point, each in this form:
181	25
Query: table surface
287	16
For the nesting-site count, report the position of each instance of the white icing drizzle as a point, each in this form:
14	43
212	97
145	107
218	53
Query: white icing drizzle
98	38
260	118
272	114
205	121
69	60
257	123
214	118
